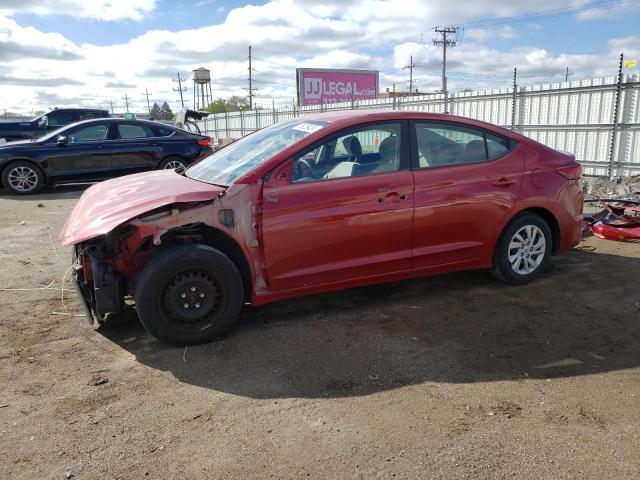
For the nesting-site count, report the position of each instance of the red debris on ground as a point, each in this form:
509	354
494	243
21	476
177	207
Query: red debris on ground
618	221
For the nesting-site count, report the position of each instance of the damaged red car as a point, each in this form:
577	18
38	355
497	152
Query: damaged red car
320	203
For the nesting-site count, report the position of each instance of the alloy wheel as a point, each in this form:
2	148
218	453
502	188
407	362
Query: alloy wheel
527	249
176	165
23	179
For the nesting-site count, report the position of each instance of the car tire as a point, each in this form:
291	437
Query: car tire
23	178
189	294
523	249
173	162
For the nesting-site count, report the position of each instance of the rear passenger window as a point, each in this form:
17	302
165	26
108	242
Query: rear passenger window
164	132
497	146
134	131
441	145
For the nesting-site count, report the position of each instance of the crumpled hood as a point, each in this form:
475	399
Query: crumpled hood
106	205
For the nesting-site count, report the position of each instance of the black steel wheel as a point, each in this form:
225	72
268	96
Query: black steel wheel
189	294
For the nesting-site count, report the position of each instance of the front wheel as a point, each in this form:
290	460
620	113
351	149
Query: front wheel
23	178
522	250
189	294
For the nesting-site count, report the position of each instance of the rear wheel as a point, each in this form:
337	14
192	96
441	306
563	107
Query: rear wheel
522	250
173	163
22	178
189	294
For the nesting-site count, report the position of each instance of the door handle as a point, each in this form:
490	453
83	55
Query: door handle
504	182
391	197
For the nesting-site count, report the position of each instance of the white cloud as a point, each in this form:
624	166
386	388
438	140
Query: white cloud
95	9
372	34
484	35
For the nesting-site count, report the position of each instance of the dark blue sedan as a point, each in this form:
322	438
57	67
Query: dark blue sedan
95	150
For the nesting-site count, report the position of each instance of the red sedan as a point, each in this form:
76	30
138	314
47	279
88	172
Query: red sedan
321	203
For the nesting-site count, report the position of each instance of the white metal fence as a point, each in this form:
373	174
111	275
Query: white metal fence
577	117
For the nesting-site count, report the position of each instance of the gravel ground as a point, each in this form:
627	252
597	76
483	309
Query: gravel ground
455	376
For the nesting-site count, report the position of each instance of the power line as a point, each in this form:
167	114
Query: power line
553	13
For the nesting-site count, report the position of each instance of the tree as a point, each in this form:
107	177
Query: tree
236	103
232	104
155	112
165	111
217	106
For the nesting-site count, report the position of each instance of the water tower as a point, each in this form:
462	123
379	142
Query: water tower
202	96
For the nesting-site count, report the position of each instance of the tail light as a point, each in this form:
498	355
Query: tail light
572	171
205	142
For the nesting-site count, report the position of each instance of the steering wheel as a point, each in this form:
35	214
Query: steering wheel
303	169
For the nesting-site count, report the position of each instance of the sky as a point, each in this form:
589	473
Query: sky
57	53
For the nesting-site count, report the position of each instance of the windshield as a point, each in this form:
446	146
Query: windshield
239	158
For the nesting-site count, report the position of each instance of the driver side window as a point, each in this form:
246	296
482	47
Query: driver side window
362	151
59	119
91	133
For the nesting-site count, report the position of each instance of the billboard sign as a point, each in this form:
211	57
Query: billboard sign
318	86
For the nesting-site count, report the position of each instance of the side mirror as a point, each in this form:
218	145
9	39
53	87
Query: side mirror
62	140
281	175
44	121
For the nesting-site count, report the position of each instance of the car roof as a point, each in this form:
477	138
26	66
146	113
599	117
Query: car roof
345	118
65	109
117	120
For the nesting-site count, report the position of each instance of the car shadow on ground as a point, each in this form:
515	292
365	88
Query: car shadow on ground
580	317
56	192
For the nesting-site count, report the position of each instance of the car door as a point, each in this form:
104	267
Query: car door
467	181
83	157
134	148
341	209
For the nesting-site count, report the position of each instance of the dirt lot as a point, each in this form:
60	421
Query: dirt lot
454	376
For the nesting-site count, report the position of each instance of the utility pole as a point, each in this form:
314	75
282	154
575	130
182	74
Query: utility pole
111	103
445	42
566	74
180	89
147	94
411	66
614	130
514	98
250	81
126	101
